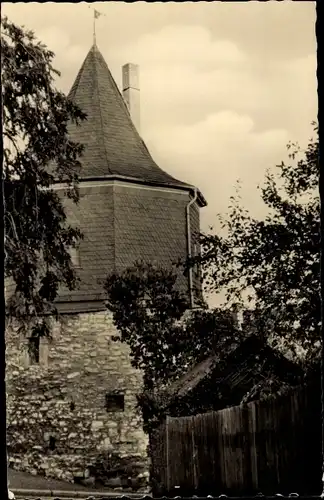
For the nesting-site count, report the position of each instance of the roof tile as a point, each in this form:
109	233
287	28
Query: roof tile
113	146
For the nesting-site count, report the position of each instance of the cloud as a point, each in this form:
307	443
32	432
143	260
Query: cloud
61	44
176	44
223	86
210	117
183	68
217	151
55	38
186	93
185	74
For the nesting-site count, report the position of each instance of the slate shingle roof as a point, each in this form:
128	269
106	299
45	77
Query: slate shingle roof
113	146
93	215
234	365
121	223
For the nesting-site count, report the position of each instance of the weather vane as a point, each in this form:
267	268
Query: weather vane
96	14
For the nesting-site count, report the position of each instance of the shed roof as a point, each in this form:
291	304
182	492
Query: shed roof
234	365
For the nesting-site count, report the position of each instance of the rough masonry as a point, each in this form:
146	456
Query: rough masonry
58	421
72	400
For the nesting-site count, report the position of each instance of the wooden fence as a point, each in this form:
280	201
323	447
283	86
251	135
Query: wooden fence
271	446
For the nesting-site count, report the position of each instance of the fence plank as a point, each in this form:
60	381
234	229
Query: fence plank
253	446
262	446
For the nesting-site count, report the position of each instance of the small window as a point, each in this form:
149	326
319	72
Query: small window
52	443
115	402
37	351
33	350
75	256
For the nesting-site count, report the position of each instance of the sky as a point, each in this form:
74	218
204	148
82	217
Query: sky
224	86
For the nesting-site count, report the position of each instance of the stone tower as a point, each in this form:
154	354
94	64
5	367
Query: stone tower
130	209
77	397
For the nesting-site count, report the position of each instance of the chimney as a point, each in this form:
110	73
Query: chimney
131	92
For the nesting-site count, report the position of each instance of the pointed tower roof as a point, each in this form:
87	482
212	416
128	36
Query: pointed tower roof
113	147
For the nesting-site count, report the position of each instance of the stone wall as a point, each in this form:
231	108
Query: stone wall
58	423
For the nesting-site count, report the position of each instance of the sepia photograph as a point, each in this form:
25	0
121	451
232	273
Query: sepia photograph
161	215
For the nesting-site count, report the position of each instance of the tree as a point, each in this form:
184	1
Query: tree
37	151
146	310
149	312
275	261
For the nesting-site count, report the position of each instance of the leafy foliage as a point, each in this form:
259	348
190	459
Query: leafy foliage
37	151
165	339
148	310
275	261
